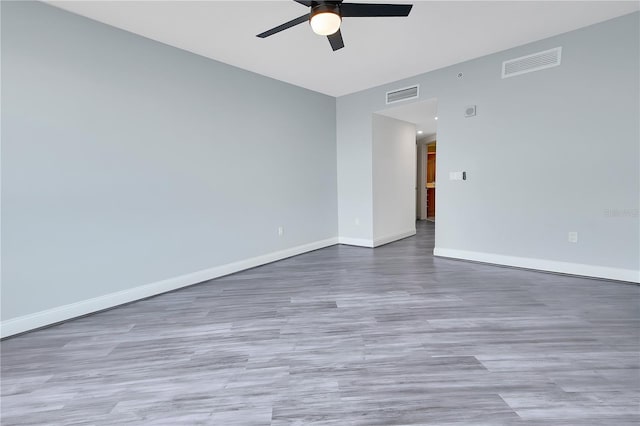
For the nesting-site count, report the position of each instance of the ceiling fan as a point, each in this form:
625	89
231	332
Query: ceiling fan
325	17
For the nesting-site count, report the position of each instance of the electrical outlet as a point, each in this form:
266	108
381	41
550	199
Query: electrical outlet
280	231
573	237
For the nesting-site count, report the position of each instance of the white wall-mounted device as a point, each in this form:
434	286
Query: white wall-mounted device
470	111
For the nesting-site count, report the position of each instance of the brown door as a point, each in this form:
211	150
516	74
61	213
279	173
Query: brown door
431	203
431	181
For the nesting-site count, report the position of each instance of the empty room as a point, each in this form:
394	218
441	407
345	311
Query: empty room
215	213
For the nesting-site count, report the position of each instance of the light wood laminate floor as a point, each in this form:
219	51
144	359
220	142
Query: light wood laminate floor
343	336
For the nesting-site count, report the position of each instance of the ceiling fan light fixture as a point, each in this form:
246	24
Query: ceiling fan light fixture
325	17
325	20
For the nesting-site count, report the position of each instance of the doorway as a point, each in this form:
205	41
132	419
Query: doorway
424	115
426	178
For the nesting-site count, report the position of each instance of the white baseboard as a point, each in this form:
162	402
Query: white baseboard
395	237
363	242
84	307
543	265
360	242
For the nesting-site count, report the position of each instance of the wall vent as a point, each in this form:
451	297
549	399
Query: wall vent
530	63
403	94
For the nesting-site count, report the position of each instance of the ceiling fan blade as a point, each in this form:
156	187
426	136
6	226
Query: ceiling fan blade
336	40
291	23
373	9
304	3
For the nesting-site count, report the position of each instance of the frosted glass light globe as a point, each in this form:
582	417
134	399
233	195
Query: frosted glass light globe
325	23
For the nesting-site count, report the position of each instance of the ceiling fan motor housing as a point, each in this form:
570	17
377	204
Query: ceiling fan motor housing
325	7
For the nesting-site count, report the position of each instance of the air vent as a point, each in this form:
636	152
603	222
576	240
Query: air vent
403	94
530	63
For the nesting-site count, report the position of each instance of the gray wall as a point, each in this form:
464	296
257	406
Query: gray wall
125	161
548	153
394	179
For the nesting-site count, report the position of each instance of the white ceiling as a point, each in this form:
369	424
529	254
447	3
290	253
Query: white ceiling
377	50
423	114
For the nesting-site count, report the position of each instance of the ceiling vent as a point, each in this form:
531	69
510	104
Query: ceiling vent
403	94
530	63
